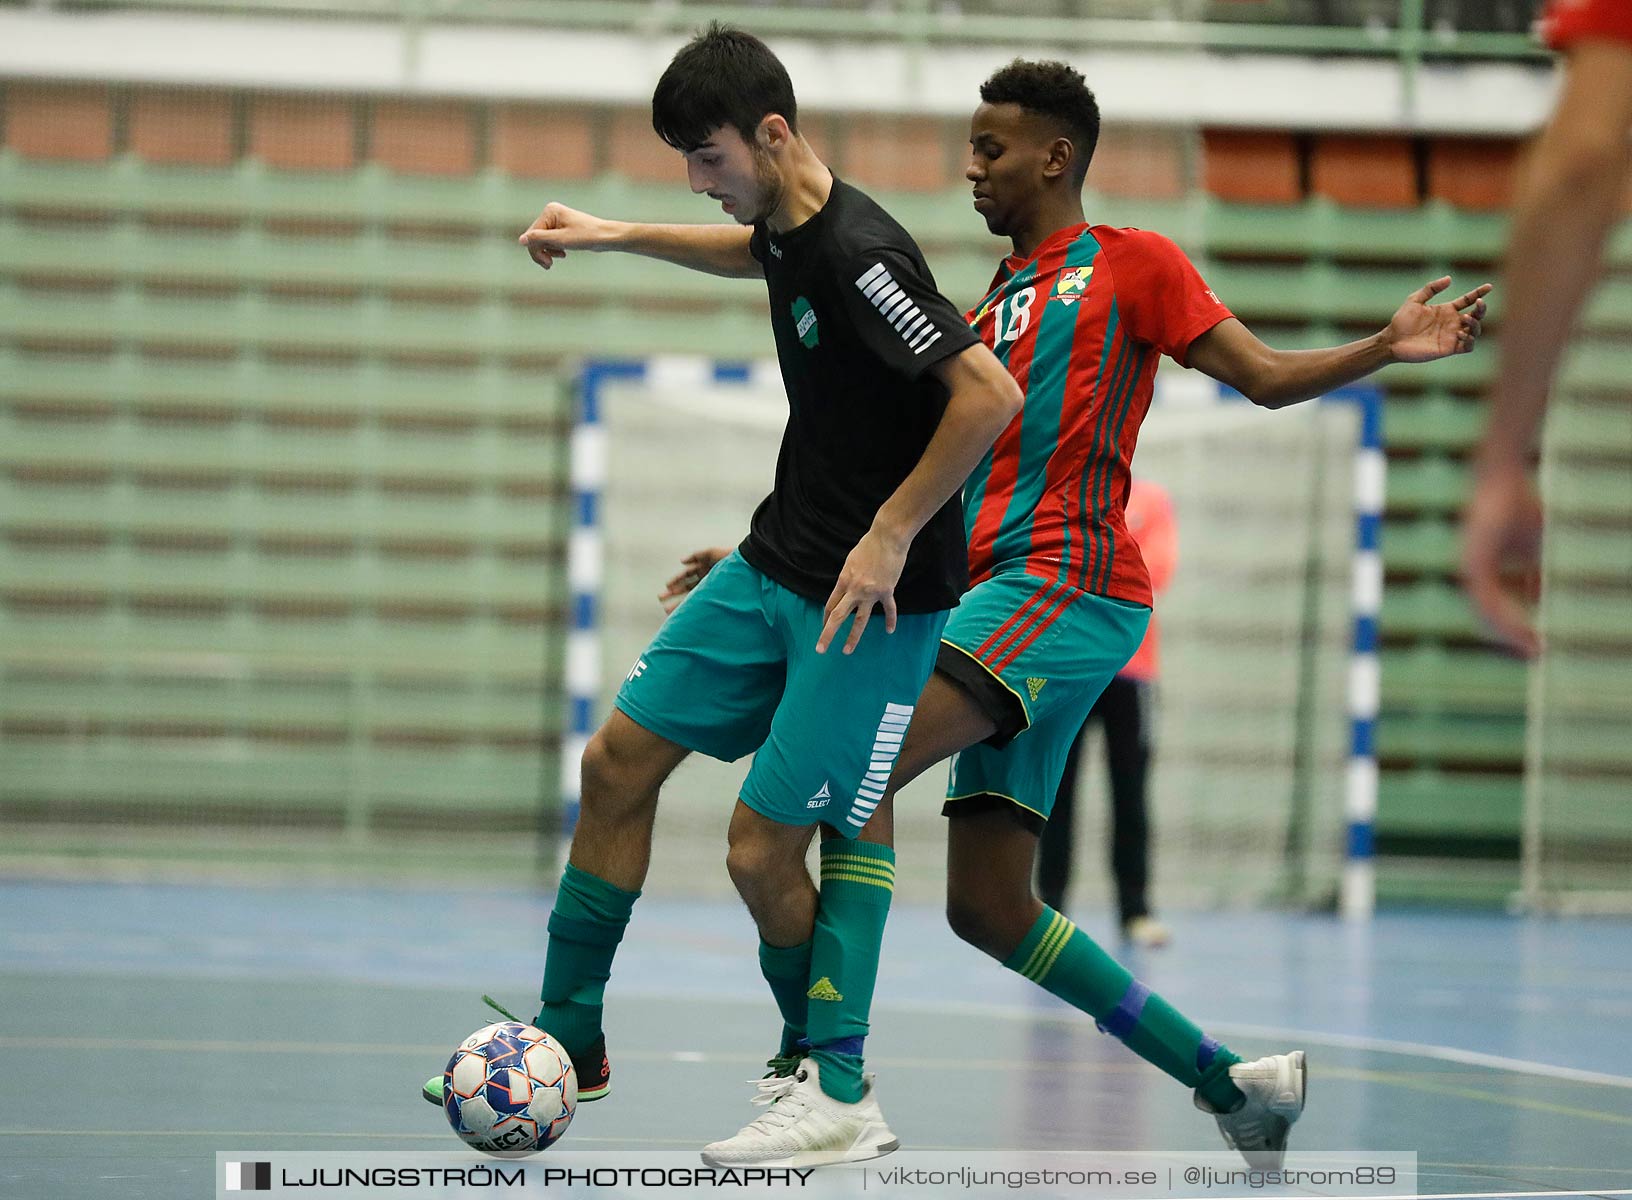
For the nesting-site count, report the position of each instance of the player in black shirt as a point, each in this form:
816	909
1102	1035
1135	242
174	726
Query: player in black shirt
892	402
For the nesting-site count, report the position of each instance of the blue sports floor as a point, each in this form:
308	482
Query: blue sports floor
143	1028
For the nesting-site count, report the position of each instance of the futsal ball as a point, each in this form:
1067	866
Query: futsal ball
509	1087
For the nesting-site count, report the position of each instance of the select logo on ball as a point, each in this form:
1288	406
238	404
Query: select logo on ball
509	1087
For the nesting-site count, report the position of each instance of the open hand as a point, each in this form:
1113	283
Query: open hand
869	578
697	564
1501	541
1422	332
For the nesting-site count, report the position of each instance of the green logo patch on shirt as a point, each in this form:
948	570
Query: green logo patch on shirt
804	323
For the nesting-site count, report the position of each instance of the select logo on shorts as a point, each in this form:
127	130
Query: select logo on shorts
804	324
249	1177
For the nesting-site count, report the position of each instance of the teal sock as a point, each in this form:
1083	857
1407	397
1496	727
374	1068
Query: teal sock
858	881
787	970
586	926
1063	959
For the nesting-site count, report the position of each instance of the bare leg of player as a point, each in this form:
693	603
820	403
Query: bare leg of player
990	903
945	721
624	766
766	860
819	952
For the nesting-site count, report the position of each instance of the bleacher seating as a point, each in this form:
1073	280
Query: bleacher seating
282	442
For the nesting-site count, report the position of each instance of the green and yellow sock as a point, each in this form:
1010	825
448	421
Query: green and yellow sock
858	882
586	926
1060	957
787	970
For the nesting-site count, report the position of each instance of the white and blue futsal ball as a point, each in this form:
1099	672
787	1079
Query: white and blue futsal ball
509	1087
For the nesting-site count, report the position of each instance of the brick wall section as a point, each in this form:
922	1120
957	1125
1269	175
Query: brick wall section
638	154
59	121
544	143
1473	173
424	137
1251	167
1365	172
1141	163
889	153
184	128
821	131
299	133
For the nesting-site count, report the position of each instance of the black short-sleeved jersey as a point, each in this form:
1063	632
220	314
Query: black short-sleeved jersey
857	320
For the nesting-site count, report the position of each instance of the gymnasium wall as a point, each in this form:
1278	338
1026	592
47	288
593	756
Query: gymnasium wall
282	410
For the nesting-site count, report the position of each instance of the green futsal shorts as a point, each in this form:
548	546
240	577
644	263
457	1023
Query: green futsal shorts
1034	654
734	671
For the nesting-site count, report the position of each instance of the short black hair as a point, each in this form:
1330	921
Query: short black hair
1055	90
723	76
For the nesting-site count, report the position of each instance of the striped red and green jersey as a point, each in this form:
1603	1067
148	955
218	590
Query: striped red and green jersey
1567	22
1080	325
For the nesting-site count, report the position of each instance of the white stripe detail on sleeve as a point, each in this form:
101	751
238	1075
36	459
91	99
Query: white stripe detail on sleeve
905	317
898	308
915	327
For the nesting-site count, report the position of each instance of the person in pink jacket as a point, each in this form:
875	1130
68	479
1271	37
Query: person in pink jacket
1125	710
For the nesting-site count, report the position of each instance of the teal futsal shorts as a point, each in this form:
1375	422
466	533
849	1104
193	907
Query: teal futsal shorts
1035	655
734	670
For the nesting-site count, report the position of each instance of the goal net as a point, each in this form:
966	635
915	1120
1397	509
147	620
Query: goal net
1251	726
1247	796
1577	834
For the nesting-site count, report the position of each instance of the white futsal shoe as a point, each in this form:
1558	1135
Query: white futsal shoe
805	1127
1274	1088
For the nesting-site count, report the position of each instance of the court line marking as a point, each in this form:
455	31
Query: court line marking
1349	1041
1493	1062
387	1049
1430	1050
435	1053
1423	1083
1476	1058
1427	1084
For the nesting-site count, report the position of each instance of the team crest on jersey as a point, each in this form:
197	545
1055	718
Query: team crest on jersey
1034	685
1068	290
804	323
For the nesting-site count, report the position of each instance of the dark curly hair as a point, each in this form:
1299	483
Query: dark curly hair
723	76
1054	90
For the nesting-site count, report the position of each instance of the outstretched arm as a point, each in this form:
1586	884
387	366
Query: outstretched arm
1418	332
1567	201
712	249
1569	197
